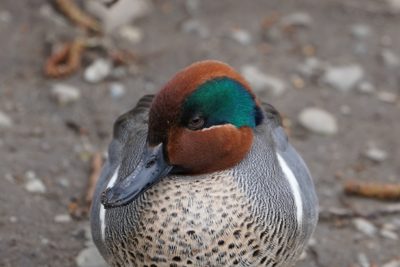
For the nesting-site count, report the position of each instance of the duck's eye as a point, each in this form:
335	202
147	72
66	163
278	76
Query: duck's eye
196	123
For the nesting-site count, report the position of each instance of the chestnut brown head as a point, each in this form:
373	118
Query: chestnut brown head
200	122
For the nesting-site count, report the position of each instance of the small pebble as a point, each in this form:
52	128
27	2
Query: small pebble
298	19
13	219
62	218
263	82
5	120
97	71
392	263
390	226
394	6
363	260
376	154
131	33
44	241
389	234
117	90
311	67
120	14
5	16
318	121
33	183
303	256
365	227
387	97
390	59
360	31
64	93
196	27
365	87
241	36
343	78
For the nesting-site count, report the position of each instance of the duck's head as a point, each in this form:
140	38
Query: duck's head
202	121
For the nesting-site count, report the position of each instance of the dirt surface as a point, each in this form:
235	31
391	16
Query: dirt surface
40	146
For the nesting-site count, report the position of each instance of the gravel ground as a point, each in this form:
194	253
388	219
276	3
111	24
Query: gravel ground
331	67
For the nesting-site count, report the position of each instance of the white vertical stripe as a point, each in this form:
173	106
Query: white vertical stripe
102	209
294	186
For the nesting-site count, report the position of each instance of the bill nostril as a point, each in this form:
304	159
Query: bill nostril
150	163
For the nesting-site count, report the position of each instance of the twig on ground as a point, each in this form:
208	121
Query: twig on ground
77	15
79	209
381	191
65	61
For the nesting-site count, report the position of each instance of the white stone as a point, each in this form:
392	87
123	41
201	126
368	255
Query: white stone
363	260
392	263
62	218
5	120
343	78
298	19
5	16
13	219
387	97
33	184
365	87
123	12
311	67
131	33
389	234
117	90
90	257
263	82
390	59
376	154
360	31
241	36
318	121
364	227
97	71
303	256
394	6
64	93
44	241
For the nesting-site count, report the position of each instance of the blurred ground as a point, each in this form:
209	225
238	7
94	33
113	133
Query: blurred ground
44	163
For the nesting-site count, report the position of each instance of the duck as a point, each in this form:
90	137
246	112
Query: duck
202	174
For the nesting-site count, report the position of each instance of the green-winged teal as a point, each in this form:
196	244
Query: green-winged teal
202	174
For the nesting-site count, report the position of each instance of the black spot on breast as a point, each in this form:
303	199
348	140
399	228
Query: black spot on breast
256	253
237	234
263	260
176	258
